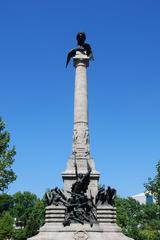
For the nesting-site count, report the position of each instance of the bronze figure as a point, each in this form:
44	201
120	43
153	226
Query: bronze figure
83	47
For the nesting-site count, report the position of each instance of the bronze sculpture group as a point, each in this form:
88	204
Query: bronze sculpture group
80	208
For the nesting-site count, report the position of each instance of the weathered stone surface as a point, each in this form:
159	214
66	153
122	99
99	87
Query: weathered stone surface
80	232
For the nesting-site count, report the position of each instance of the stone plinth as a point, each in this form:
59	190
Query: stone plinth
54	214
106	214
105	229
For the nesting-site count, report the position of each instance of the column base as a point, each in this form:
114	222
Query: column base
53	229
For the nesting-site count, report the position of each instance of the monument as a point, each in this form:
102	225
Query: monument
81	210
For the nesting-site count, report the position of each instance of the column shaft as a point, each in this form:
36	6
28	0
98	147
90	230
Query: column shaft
80	131
81	96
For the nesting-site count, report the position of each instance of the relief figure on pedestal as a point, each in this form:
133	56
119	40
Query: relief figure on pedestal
75	137
86	137
80	136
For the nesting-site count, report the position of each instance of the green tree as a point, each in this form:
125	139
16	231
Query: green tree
20	234
149	222
148	235
23	203
6	226
128	216
153	185
29	210
138	221
7	175
6	203
36	219
150	216
26	209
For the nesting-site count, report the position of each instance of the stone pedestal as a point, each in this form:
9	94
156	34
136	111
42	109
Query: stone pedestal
105	229
54	214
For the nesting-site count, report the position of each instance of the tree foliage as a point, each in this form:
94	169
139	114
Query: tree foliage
6	226
23	203
128	216
7	175
138	221
153	185
36	219
24	209
20	234
6	203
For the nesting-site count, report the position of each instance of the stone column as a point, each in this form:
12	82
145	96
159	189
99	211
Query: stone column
80	145
80	132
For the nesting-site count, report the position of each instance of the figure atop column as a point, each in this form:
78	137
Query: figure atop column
83	48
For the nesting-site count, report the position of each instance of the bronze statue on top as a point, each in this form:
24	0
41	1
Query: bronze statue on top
83	47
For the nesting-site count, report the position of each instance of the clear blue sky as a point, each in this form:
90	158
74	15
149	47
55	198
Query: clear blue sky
36	90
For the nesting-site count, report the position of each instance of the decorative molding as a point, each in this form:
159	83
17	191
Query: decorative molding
80	235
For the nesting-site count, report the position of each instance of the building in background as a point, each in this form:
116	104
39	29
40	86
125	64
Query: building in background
144	198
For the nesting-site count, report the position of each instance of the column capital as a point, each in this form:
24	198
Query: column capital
81	59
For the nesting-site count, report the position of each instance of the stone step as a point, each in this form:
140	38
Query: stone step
63	215
106	209
101	211
56	212
60	220
55	215
106	216
55	208
106	220
48	213
106	212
